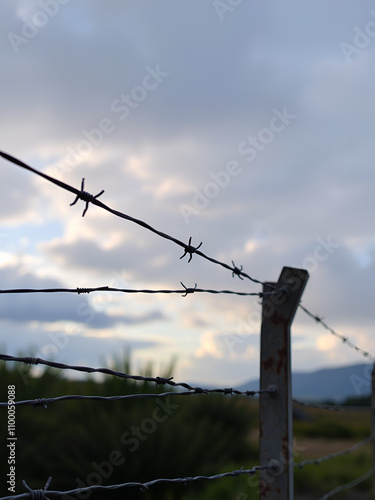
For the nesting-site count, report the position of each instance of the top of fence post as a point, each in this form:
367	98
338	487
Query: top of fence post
276	424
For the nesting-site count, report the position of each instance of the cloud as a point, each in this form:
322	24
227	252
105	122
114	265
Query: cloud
57	345
313	180
234	346
57	307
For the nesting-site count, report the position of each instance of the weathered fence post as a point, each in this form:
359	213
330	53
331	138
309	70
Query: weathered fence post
276	421
373	428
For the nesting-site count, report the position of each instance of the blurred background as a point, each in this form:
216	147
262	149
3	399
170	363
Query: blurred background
244	125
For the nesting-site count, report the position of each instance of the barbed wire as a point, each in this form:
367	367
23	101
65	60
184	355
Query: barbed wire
88	198
185	291
143	486
346	340
189	250
330	456
107	371
321	406
348	486
78	397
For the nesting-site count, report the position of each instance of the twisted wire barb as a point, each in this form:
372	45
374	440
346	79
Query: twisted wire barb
89	198
348	486
185	291
142	486
337	454
320	406
346	340
37	494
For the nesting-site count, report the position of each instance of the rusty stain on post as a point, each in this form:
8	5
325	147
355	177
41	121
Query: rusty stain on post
276	432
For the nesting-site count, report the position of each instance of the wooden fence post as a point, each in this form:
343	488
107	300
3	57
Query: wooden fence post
276	420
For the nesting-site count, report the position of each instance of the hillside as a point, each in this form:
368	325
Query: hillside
334	384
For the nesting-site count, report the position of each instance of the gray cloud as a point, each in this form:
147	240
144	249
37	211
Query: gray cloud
57	346
314	179
58	306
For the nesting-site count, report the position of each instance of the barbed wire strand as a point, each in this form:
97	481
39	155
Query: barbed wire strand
348	486
189	249
143	486
346	340
321	406
330	456
78	397
185	291
107	371
88	198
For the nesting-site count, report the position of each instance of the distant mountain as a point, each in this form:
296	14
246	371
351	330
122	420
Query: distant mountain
335	384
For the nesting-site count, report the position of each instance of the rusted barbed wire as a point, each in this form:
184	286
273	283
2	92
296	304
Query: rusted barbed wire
143	486
185	291
330	456
321	406
346	340
348	486
88	198
107	371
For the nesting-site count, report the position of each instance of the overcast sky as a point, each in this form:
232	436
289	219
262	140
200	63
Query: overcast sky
248	126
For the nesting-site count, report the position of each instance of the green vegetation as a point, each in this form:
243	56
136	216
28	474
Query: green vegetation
81	443
333	425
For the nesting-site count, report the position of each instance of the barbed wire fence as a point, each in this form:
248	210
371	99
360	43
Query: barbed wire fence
282	297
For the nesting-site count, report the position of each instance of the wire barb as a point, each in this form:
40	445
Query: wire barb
31	361
37	494
189	249
40	402
85	196
237	271
188	290
162	380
